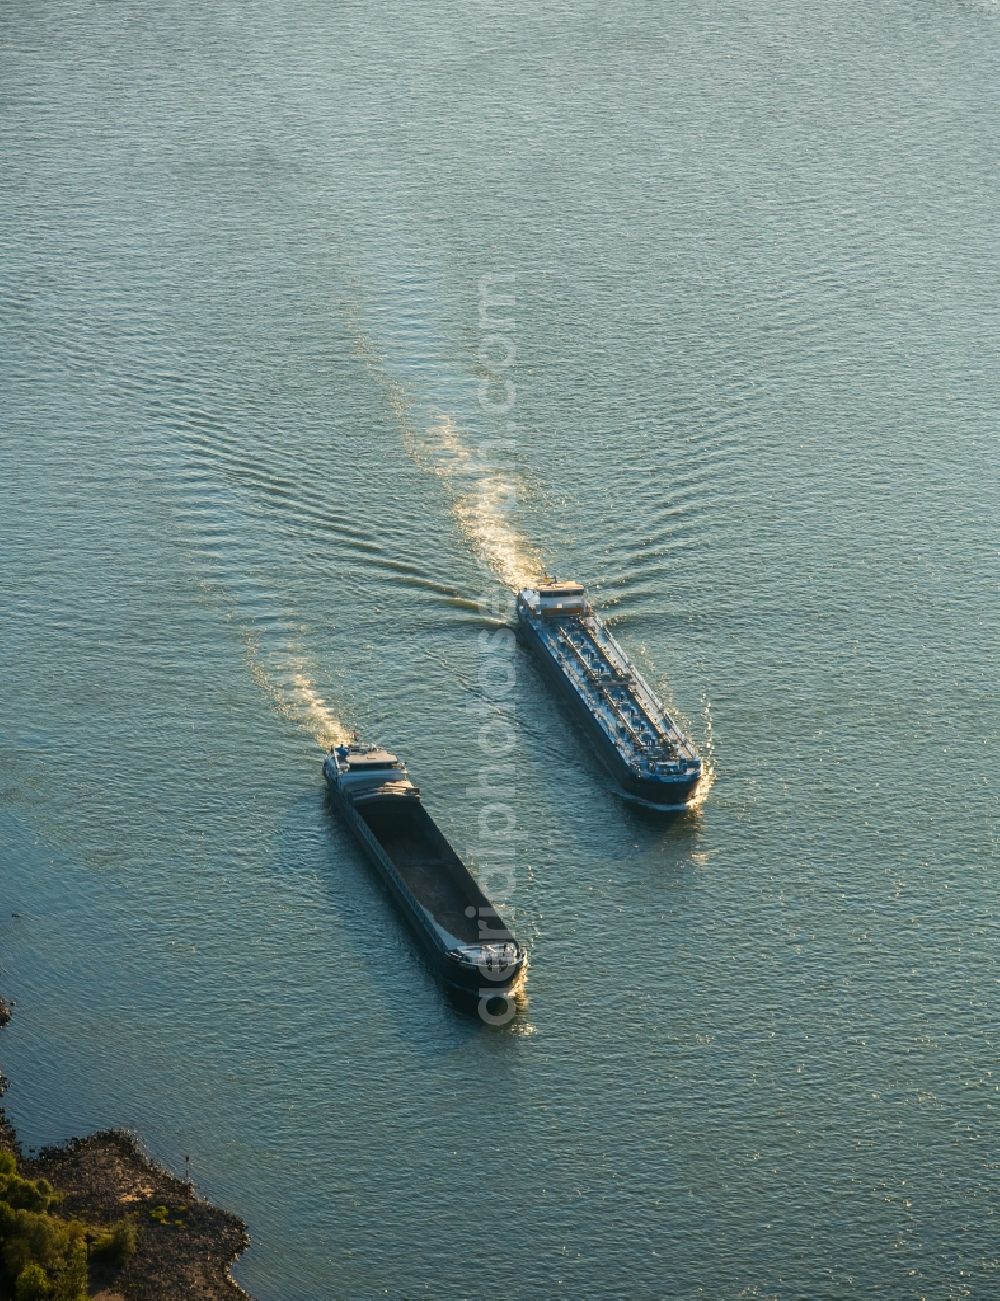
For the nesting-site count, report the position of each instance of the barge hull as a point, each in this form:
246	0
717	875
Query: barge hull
432	888
665	792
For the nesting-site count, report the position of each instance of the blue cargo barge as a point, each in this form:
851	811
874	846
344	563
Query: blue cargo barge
651	760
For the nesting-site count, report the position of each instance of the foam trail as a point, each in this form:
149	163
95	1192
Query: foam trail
326	729
210	519
481	494
293	694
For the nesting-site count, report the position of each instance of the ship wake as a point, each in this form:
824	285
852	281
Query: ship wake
210	524
482	498
482	494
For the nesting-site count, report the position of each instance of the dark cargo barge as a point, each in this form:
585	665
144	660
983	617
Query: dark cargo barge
651	760
461	931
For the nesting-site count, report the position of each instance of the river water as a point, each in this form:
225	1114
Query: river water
251	495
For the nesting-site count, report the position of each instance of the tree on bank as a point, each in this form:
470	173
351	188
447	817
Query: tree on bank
44	1257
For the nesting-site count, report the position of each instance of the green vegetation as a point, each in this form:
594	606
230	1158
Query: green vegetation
114	1246
161	1214
44	1256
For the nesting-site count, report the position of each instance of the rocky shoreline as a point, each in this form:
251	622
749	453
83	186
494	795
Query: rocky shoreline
184	1245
